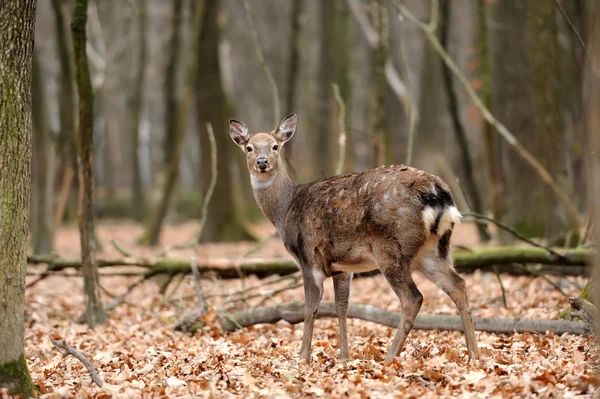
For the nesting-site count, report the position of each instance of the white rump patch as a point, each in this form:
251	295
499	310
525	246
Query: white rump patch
450	215
428	215
258	184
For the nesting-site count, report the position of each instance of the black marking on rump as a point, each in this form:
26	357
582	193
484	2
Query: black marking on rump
441	198
444	244
438	201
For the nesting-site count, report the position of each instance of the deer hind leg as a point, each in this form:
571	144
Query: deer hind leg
313	292
437	266
396	271
341	286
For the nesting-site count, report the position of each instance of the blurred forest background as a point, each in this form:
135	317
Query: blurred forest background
162	69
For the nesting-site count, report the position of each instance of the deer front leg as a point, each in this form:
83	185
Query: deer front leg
313	292
341	286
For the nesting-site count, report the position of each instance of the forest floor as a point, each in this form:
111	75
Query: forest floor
138	353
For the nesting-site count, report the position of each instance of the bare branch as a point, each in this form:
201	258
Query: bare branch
202	305
577	35
69	350
391	73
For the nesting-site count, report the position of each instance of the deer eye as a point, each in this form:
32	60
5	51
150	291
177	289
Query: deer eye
275	147
249	149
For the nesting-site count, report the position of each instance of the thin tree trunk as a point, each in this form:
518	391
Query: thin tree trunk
324	101
42	235
17	24
225	222
459	130
66	144
138	204
491	142
293	74
152	234
94	312
591	93
170	85
383	139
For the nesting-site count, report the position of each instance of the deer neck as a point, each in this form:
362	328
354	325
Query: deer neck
274	195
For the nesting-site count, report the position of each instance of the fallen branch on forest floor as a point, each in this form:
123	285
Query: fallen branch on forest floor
464	261
293	313
69	350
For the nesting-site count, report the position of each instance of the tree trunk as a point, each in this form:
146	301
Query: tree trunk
152	234
591	93
224	221
511	102
490	140
459	131
66	144
138	204
17	24
170	85
41	232
382	136
547	114
94	312
324	101
293	74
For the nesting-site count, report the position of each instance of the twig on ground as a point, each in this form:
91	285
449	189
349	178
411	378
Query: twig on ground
586	310
536	273
342	126
541	171
202	305
166	283
68	350
266	293
120	249
497	273
121	298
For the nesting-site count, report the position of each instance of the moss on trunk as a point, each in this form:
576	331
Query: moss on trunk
15	377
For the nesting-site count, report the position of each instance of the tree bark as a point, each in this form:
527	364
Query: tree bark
225	222
382	135
491	142
592	95
459	130
94	311
41	207
152	234
293	313
170	85
511	102
547	114
293	72
138	204
17	24
66	143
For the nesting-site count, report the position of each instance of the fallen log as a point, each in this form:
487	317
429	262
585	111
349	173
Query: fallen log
574	261
293	313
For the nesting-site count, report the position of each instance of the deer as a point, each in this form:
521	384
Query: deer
397	219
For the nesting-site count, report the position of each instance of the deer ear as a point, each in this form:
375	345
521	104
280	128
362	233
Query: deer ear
238	132
286	128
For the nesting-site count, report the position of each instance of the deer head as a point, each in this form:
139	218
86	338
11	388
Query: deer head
263	149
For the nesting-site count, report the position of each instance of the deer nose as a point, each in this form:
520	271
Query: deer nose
262	163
